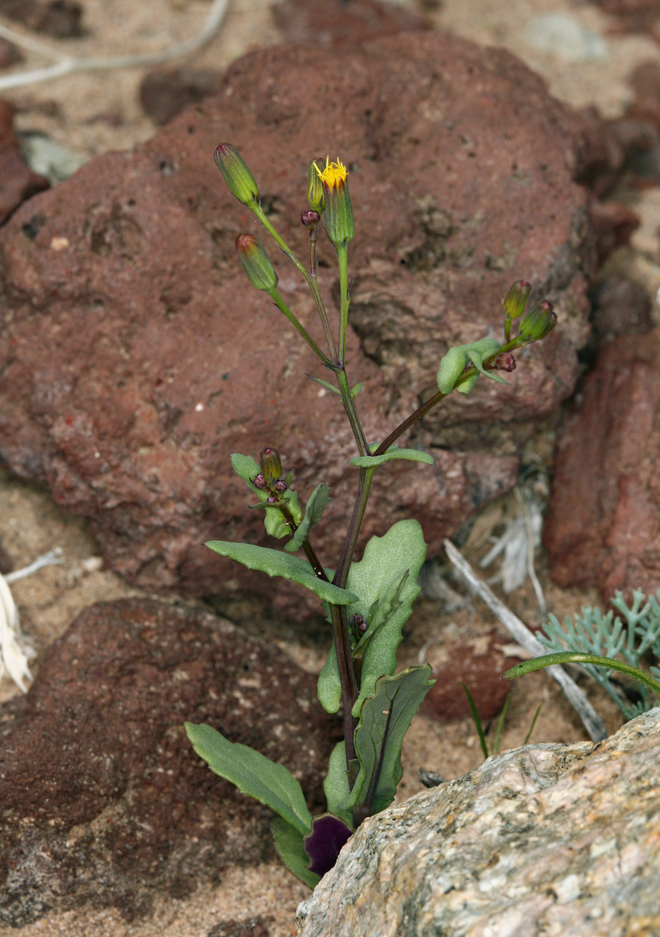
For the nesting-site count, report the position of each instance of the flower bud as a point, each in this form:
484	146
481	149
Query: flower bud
310	219
280	486
315	195
338	208
236	174
537	322
515	299
504	362
259	482
271	465
256	262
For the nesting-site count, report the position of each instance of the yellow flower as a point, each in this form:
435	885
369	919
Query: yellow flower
333	173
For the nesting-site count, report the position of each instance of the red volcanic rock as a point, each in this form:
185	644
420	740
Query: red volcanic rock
603	522
17	181
134	356
479	665
103	799
337	23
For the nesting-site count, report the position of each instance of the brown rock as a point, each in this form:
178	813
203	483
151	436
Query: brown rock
252	927
61	19
103	799
479	665
613	225
338	23
164	94
603	522
620	306
17	181
135	357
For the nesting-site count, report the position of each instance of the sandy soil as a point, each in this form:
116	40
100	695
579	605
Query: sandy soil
92	113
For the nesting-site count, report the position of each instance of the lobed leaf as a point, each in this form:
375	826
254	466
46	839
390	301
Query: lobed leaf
253	774
275	563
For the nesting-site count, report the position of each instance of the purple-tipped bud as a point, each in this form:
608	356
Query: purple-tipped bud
256	262
280	486
259	482
315	193
516	298
272	500
310	219
236	174
504	362
537	322
271	466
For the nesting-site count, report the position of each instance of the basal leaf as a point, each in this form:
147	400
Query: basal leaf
336	787
384	721
313	511
275	563
324	843
253	774
385	597
410	455
290	845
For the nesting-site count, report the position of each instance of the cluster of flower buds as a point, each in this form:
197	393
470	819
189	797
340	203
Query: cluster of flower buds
535	324
357	626
269	479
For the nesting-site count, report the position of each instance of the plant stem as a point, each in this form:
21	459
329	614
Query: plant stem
351	412
353	532
310	279
349	689
344	301
282	306
308	549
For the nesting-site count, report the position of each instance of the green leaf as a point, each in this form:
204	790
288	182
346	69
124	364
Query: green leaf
457	358
246	468
313	511
326	385
290	845
571	657
328	687
476	360
336	786
253	774
384	720
386	597
410	455
275	563
356	390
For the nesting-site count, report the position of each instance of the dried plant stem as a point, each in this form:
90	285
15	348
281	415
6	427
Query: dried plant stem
518	630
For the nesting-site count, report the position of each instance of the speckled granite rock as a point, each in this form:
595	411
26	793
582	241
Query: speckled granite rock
546	839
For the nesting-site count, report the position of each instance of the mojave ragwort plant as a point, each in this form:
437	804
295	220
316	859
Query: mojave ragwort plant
367	602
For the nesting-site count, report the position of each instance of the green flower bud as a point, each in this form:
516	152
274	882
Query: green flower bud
338	208
315	196
271	466
256	262
236	174
537	322
516	298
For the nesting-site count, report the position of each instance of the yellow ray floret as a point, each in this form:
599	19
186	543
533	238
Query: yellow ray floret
333	173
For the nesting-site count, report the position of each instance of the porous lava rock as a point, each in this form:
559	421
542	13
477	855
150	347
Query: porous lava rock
545	839
134	357
603	521
103	798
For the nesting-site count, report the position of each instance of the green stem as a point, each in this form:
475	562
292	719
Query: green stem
344	301
351	412
310	279
282	306
571	657
353	532
308	549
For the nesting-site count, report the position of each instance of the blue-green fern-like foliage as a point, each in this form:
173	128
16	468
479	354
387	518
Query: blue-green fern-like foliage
631	636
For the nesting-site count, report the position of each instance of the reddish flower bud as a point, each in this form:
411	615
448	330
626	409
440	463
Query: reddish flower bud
256	262
280	486
259	482
504	362
310	219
